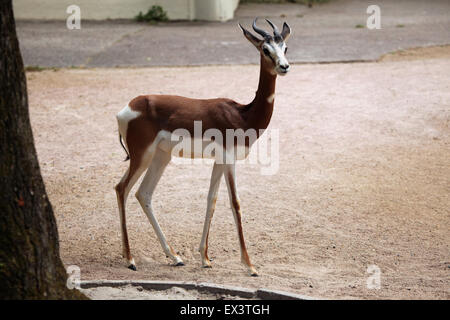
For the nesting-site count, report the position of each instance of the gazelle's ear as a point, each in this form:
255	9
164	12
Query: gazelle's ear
250	37
286	31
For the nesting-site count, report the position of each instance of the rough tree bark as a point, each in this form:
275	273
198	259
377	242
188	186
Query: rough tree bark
30	265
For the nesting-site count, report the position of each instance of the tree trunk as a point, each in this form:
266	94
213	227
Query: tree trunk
30	266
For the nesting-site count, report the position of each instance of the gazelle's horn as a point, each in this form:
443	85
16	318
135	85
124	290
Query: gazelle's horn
276	32
260	31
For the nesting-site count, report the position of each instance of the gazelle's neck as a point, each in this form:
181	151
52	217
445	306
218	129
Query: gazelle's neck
261	108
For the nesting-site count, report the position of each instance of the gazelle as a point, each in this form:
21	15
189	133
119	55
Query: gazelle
147	123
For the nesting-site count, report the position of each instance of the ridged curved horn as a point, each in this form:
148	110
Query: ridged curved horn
260	31
250	37
276	32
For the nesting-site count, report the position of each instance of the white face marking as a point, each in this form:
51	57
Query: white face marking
271	98
276	53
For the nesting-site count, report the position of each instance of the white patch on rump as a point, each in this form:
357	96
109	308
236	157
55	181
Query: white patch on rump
123	118
271	98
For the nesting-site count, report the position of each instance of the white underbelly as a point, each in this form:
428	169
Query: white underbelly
196	148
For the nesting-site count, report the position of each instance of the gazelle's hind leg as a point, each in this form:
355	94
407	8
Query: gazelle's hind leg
137	167
144	196
230	178
212	198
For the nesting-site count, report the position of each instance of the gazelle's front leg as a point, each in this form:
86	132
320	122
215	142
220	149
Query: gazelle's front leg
212	198
230	178
145	193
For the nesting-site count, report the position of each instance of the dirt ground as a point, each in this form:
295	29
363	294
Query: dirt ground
364	178
138	293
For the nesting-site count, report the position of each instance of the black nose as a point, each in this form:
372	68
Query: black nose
284	66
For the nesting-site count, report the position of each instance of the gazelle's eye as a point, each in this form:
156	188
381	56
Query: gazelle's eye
266	52
285	50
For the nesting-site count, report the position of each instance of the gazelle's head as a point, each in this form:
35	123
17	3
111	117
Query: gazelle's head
272	48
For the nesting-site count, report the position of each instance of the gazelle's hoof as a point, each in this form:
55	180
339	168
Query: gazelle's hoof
131	264
253	272
206	263
132	267
177	261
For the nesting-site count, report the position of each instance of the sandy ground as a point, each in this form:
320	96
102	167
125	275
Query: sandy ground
364	178
138	293
426	53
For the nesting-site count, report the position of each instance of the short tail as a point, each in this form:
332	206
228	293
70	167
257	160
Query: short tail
121	143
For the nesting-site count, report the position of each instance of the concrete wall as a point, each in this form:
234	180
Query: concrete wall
215	10
221	10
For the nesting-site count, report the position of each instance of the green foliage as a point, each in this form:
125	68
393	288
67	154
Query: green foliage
359	26
34	68
154	14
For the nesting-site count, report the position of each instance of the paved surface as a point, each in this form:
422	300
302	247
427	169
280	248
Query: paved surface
324	33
